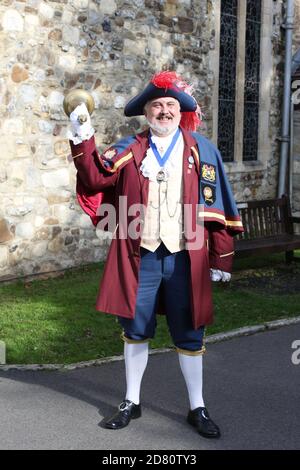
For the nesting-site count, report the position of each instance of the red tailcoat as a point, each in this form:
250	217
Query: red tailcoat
118	289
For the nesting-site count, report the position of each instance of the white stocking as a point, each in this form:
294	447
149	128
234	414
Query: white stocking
191	367
136	358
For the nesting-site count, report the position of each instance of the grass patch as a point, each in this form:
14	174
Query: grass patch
54	320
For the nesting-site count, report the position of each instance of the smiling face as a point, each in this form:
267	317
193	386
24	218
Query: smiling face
163	115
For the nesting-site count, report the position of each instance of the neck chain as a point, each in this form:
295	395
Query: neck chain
160	203
161	175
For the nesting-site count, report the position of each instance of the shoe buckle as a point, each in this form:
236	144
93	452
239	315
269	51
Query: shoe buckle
123	406
204	415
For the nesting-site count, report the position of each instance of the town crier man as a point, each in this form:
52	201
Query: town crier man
175	219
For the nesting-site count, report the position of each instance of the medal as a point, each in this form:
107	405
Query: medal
160	176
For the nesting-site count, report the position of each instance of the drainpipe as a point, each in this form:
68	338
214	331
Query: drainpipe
286	98
291	166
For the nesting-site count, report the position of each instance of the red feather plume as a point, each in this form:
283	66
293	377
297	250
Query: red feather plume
165	80
190	120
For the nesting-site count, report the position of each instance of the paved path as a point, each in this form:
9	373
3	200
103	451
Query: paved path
252	391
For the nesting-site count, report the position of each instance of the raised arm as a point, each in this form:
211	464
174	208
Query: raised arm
93	170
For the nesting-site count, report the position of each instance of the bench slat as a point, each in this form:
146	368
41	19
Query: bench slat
265	245
256	224
268	227
261	221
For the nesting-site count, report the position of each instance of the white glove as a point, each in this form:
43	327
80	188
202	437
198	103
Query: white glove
80	132
218	275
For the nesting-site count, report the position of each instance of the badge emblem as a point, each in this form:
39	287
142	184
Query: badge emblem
208	172
110	153
209	194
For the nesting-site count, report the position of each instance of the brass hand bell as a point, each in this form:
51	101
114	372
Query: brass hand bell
76	97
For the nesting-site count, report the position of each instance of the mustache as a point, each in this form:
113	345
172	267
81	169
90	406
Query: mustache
162	114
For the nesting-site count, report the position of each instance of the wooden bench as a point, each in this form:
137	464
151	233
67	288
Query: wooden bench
268	226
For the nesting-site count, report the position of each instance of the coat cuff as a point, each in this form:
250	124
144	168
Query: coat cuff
221	250
223	262
85	147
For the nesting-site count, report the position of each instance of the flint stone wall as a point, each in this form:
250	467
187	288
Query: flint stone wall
110	48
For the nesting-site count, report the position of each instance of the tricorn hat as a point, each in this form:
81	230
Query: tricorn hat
164	84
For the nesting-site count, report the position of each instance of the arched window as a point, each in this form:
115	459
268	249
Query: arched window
252	79
239	79
227	78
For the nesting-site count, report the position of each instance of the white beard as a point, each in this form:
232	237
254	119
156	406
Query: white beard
162	130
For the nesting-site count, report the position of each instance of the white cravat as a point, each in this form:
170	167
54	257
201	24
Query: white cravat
150	166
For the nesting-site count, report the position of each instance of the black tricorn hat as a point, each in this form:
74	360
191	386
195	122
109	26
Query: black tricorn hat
162	85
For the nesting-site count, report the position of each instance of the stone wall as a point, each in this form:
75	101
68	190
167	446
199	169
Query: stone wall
111	48
296	32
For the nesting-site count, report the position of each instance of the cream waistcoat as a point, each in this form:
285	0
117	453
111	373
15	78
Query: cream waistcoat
164	215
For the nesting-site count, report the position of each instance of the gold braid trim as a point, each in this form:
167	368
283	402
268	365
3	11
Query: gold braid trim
195	152
192	353
227	254
233	223
78	155
133	341
122	160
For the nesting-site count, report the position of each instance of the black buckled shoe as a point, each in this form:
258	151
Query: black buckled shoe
127	411
199	418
